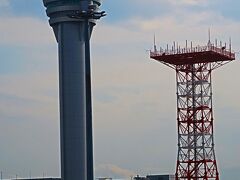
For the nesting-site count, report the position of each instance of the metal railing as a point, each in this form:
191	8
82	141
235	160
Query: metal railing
208	48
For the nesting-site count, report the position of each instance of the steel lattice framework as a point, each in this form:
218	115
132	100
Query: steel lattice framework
196	156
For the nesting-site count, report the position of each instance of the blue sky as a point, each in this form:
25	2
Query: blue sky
134	98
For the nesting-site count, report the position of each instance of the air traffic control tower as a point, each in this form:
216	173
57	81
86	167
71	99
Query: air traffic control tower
72	22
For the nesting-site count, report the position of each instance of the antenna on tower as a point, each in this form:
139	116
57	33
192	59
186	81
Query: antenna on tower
209	36
174	48
230	44
154	42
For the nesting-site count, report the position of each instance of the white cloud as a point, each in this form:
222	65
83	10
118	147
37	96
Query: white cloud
33	89
176	2
188	2
25	31
110	170
178	26
29	118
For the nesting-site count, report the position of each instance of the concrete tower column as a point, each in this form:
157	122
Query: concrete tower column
72	22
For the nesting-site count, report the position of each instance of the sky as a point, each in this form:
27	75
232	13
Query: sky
134	98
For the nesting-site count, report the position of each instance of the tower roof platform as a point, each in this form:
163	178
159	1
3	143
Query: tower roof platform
199	54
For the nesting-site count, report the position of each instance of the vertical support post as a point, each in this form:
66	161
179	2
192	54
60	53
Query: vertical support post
194	118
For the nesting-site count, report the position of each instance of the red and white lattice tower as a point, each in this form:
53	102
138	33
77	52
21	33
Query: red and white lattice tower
196	156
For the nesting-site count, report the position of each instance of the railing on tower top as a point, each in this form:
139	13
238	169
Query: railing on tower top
209	48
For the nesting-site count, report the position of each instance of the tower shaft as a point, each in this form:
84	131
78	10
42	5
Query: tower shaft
72	22
73	121
196	155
